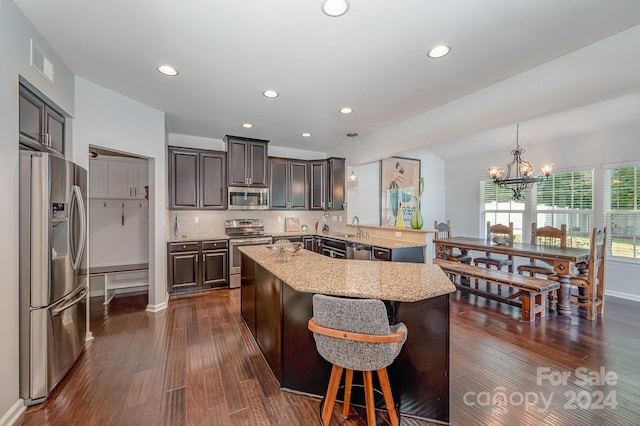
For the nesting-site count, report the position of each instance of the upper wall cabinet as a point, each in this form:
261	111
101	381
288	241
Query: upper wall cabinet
41	126
246	161
326	184
288	184
197	179
118	177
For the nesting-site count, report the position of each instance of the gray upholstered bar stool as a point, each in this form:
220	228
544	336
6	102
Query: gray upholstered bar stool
354	334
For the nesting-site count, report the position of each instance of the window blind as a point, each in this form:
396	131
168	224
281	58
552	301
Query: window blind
566	198
621	198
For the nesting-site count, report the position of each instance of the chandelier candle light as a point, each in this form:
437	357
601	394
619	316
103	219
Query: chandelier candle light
523	177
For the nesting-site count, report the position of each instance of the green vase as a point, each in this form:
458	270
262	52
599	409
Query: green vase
416	218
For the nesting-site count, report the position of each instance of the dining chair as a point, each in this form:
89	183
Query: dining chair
545	236
501	234
593	279
443	231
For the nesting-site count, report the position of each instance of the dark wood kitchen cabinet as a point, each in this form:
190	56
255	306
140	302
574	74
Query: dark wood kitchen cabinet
288	184
198	265
183	267
41	126
246	161
197	179
399	254
215	264
327	184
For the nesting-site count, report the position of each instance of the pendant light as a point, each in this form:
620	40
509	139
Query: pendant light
522	171
352	182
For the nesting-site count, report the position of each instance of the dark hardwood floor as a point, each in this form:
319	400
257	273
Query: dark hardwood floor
196	363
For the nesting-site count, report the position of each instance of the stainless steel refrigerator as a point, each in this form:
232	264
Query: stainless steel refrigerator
53	273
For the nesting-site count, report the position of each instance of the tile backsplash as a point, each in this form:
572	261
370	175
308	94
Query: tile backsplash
200	223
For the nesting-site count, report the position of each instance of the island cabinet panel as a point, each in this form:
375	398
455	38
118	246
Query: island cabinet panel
248	294
268	319
277	316
304	369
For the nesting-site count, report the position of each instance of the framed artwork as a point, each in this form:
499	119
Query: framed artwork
399	183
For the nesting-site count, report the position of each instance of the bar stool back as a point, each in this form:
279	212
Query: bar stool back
354	334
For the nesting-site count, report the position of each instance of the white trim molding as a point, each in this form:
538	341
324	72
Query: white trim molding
14	413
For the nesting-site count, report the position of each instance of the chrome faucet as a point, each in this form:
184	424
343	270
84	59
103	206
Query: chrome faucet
356	220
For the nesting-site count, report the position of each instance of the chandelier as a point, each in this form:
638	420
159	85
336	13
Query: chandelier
522	176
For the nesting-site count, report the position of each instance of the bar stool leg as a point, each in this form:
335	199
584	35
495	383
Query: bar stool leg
332	391
368	398
383	377
348	379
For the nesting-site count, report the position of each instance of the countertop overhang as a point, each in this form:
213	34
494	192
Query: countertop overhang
310	272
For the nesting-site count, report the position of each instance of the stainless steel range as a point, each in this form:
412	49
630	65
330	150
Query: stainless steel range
242	232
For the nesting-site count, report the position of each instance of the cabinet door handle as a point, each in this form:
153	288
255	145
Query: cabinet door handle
135	192
43	139
130	192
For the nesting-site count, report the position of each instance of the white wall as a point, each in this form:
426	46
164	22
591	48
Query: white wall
365	202
15	35
109	120
594	150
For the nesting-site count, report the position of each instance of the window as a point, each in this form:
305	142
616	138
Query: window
566	198
496	206
622	211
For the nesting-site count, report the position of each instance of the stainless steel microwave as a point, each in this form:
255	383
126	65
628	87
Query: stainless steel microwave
241	198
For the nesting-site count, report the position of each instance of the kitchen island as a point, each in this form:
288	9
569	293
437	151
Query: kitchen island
276	299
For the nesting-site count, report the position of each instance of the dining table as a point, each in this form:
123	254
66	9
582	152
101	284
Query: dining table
563	260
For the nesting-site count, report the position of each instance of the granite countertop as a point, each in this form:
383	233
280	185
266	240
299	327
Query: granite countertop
344	236
387	243
310	272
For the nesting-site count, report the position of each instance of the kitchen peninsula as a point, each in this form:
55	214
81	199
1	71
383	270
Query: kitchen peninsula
276	298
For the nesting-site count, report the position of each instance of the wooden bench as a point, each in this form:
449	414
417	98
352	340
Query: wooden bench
120	276
532	292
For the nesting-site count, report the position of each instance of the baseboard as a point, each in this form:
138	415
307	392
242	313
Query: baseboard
157	308
14	413
628	296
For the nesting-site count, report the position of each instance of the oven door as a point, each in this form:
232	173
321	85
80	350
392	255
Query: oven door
234	253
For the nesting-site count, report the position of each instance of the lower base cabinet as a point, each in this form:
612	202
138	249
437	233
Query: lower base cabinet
198	265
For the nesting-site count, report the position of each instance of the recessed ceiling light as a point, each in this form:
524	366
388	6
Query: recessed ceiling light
247	125
334	8
306	135
439	51
346	110
270	94
168	70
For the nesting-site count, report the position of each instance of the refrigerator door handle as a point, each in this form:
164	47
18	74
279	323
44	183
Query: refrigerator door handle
57	311
76	201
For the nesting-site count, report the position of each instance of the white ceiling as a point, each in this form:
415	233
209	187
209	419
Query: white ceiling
372	59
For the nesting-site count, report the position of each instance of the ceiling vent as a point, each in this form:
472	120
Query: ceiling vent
41	63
